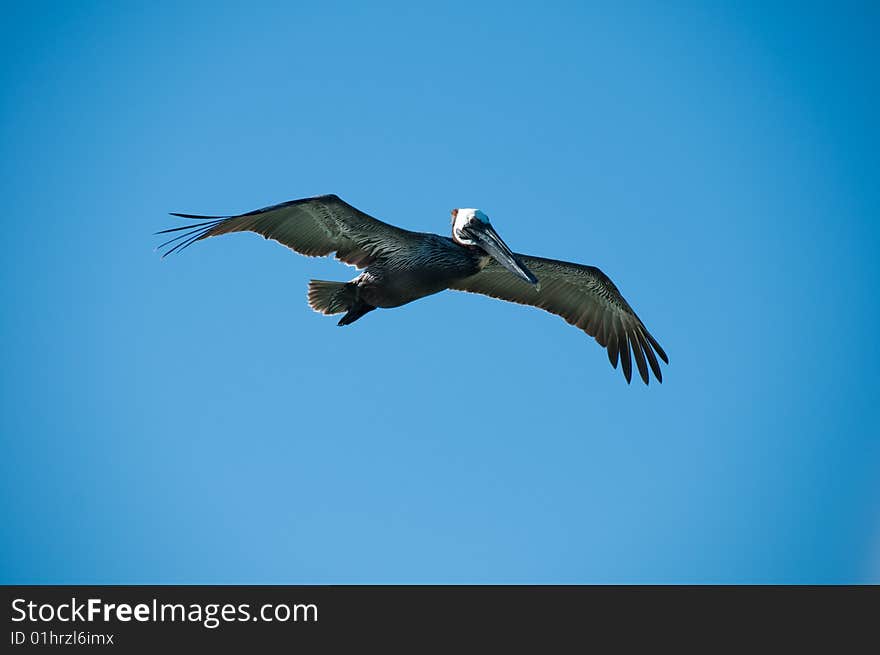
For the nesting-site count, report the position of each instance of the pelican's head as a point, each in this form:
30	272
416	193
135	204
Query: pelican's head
471	227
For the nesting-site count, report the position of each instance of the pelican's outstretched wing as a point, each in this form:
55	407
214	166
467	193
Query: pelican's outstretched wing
310	226
583	296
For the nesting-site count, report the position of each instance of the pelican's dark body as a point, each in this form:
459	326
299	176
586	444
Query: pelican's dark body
425	265
400	266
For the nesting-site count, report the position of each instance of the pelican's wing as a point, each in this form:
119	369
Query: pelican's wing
583	296
310	226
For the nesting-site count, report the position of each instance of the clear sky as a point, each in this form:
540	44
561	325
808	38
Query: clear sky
192	420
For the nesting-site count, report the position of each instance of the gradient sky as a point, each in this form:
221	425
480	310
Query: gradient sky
192	421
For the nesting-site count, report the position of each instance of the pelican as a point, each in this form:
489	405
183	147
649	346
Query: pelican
400	266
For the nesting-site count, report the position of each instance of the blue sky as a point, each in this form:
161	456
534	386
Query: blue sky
192	421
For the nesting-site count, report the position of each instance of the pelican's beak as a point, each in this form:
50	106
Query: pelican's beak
486	236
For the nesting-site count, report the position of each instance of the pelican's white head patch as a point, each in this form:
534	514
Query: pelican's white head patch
461	218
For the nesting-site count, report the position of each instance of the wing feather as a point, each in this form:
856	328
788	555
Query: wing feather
636	346
649	353
585	297
311	226
613	350
625	360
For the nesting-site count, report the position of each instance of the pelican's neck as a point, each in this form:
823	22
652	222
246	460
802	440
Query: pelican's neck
478	256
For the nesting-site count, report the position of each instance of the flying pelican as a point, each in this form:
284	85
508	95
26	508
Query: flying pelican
401	266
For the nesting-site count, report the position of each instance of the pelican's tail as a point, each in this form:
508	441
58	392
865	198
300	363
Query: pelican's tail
337	297
331	297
